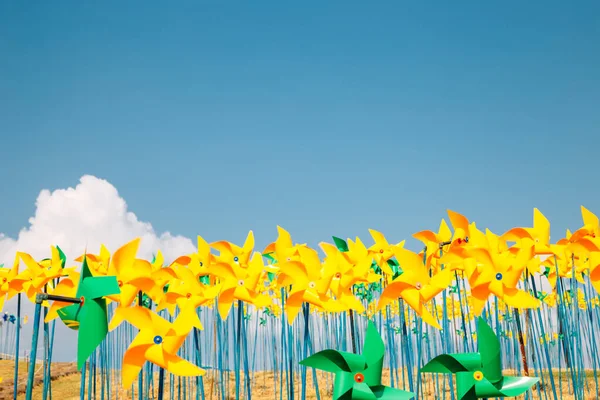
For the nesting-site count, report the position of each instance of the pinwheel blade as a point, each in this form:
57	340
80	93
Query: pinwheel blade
93	328
466	386
516	386
69	315
453	363
335	361
373	352
389	393
97	287
489	348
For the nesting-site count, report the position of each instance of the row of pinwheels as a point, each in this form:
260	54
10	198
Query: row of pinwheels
291	275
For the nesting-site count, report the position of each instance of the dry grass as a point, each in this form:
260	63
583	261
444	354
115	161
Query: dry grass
265	385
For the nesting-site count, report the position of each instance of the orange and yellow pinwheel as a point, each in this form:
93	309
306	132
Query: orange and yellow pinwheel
499	274
238	283
158	342
232	254
415	285
308	284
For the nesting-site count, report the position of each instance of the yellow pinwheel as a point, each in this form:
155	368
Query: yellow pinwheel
540	234
6	277
99	265
31	281
498	275
308	285
415	285
240	283
232	254
187	292
133	275
434	241
382	251
157	342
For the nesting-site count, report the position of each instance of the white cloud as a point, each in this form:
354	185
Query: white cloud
77	218
86	216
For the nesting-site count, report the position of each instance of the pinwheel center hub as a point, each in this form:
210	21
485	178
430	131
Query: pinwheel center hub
158	339
82	300
120	283
189	295
201	264
498	276
381	251
338	275
418	286
236	259
241	282
4	279
478	375
312	285
359	378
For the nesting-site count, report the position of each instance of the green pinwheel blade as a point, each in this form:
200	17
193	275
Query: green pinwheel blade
93	328
466	386
362	391
489	348
373	352
335	361
69	315
389	393
63	257
510	387
340	244
97	287
453	363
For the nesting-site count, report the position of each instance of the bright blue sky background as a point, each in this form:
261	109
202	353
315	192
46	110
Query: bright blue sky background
214	118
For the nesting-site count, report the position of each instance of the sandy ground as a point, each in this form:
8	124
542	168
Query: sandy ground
66	383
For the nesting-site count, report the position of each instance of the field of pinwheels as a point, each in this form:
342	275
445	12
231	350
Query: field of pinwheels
472	315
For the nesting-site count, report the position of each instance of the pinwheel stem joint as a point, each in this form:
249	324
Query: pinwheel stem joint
41	297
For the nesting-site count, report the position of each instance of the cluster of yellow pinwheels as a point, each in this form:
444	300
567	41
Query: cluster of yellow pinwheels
288	275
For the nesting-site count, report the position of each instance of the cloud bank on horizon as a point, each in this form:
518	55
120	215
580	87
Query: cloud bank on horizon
84	217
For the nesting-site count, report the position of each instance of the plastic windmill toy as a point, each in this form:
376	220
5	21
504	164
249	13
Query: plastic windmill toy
479	375
89	315
358	376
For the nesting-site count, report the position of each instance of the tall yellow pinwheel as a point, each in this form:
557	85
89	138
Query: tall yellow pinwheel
99	264
133	275
31	281
6	277
381	251
415	285
187	292
433	242
157	342
499	274
354	267
232	254
239	283
539	233
591	225
308	285
202	259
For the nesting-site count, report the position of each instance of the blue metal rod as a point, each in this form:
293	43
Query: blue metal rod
33	352
17	346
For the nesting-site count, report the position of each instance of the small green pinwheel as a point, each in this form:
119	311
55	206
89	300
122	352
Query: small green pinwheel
357	377
479	375
89	316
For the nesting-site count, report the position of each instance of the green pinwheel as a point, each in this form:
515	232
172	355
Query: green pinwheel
357	377
89	316
479	375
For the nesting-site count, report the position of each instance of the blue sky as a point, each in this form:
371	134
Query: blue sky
327	118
